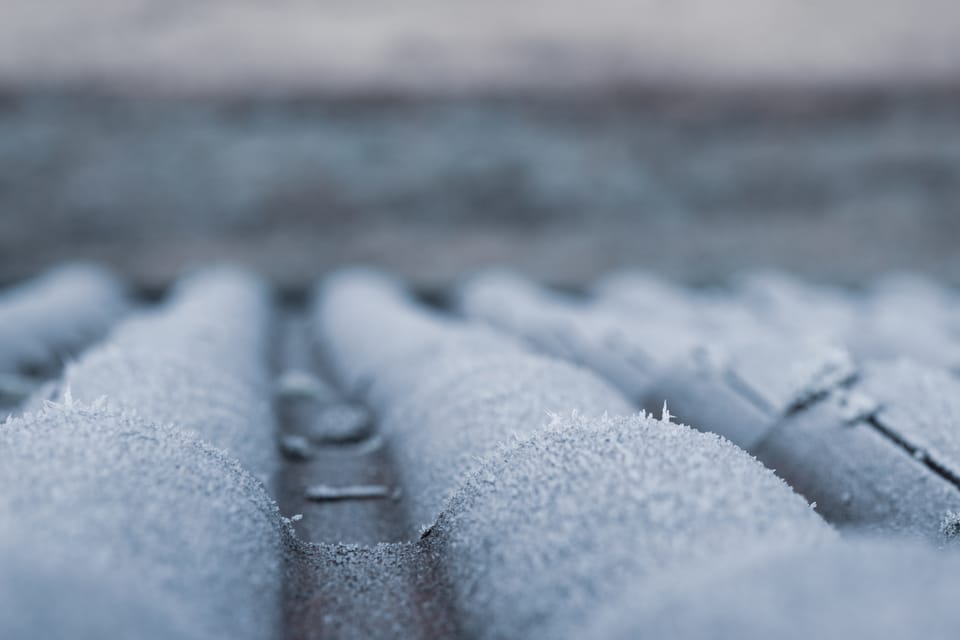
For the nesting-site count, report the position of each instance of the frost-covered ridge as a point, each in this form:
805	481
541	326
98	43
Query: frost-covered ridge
506	461
127	528
805	377
45	321
199	361
446	392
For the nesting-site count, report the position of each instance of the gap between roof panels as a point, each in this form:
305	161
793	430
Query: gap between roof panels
336	471
914	452
356	571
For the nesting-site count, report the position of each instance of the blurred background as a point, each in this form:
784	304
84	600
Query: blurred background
563	139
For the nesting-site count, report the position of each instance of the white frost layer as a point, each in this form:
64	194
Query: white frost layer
719	368
189	539
40	598
899	315
910	317
798	307
47	319
630	357
853	589
367	324
446	392
199	361
921	405
775	339
859	478
544	532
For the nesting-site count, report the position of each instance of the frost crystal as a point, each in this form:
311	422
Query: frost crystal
950	525
665	413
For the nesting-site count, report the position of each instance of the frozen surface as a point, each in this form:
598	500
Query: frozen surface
445	391
853	589
629	355
45	320
533	501
784	374
910	316
720	367
898	315
859	477
796	306
639	294
38	599
765	365
881	455
548	529
180	531
756	377
199	362
367	324
921	405
390	591
769	347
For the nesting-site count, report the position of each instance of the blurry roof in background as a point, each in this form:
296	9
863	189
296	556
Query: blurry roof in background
433	137
436	45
